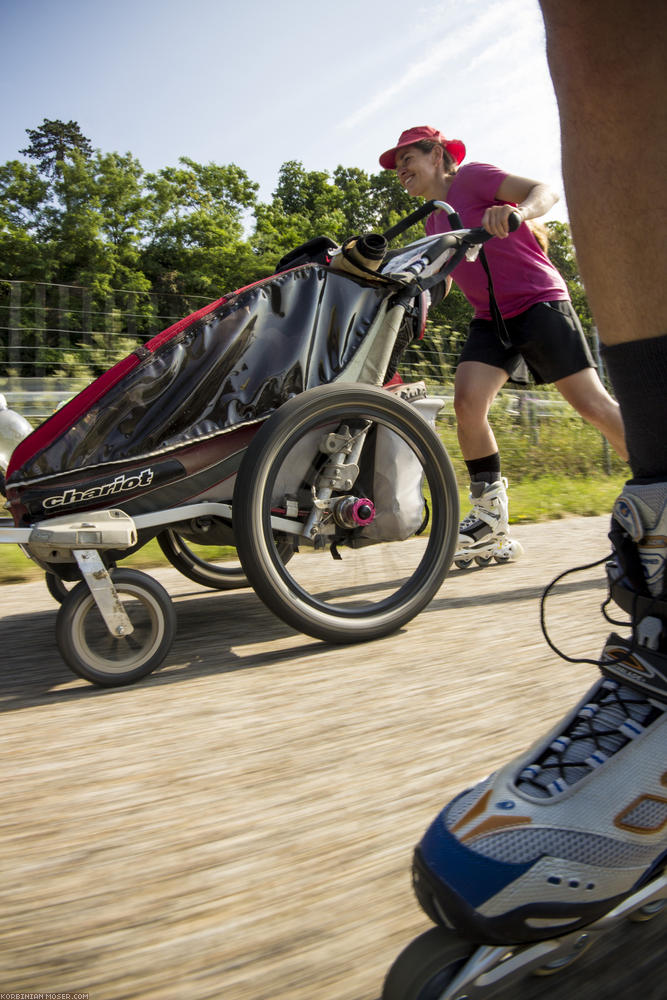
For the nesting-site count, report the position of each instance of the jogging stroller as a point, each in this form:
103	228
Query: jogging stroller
260	423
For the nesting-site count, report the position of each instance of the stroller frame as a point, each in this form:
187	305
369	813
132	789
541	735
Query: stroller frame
266	516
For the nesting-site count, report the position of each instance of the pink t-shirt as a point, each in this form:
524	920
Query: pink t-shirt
522	273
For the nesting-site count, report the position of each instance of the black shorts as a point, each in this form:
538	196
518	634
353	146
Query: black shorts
547	336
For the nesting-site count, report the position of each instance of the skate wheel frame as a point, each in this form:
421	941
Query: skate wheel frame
440	965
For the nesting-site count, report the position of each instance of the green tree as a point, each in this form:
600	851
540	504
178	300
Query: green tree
305	204
563	256
23	194
54	142
123	207
194	226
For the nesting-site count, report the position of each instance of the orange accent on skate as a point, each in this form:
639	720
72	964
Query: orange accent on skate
643	830
473	812
653	542
613	653
495	823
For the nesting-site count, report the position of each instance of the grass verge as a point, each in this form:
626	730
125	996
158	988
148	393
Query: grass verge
541	499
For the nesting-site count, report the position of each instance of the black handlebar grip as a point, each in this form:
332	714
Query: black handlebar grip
409	220
514	220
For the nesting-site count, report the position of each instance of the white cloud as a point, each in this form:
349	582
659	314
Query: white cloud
452	45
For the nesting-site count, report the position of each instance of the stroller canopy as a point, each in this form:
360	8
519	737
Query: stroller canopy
229	364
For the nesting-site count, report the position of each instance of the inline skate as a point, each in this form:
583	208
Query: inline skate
484	532
527	869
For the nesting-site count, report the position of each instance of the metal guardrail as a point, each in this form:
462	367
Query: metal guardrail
37	398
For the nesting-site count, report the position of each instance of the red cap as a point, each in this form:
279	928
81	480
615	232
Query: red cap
454	147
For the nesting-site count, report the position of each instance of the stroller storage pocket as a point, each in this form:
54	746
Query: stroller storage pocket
401	509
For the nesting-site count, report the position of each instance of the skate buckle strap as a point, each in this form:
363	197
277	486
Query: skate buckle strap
639	666
639	606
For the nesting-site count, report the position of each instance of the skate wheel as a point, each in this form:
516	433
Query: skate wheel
648	912
503	557
463	563
427	966
483	560
581	945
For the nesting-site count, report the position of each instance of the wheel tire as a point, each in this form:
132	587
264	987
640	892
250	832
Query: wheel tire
218	576
93	653
427	966
483	560
463	563
56	586
335	616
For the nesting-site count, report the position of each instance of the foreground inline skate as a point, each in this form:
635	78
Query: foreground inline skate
484	532
523	872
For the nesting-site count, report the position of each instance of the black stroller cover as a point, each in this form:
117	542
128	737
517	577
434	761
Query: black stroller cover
171	421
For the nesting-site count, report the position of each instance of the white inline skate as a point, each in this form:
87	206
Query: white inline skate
527	869
484	532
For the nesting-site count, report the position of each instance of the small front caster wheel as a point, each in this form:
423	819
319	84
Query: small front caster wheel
89	649
427	966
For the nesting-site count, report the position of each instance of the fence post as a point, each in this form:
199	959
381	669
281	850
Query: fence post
108	340
40	332
63	329
15	326
131	315
86	318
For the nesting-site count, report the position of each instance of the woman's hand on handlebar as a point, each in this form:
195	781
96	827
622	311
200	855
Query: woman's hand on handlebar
496	220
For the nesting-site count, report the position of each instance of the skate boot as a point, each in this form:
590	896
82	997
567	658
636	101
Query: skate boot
570	838
484	532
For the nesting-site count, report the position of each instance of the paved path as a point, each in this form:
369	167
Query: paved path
239	825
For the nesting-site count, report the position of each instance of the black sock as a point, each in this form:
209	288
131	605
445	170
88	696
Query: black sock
638	373
484	470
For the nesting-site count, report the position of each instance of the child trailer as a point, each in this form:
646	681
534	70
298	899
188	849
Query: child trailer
260	423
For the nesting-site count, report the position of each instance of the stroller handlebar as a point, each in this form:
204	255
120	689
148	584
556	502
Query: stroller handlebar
458	240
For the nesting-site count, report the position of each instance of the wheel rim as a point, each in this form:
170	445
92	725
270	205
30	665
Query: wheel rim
110	654
380	585
370	580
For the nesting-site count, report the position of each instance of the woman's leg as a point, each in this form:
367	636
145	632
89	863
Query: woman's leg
586	393
475	388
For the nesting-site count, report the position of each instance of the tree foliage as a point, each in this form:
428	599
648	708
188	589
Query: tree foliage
53	142
79	216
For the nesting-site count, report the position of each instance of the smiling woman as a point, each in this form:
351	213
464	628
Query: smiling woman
537	330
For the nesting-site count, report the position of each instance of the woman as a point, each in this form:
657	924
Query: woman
543	328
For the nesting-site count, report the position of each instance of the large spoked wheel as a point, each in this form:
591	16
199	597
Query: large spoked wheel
185	555
427	966
361	582
93	653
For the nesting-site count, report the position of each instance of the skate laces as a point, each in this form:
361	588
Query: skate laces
615	715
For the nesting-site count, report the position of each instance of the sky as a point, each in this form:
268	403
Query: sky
260	82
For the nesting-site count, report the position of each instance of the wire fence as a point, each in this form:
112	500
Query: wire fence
55	339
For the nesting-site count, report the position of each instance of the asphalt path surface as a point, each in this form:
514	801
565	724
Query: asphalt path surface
239	825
